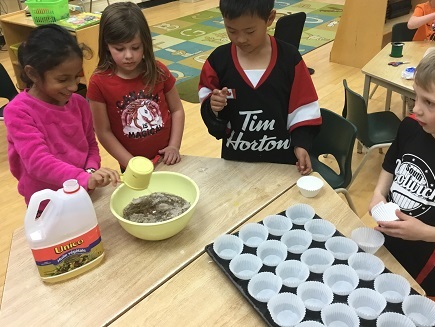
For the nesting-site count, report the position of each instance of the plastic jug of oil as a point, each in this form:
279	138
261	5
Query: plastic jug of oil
65	240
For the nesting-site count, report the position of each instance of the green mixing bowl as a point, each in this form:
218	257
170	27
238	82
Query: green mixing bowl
162	181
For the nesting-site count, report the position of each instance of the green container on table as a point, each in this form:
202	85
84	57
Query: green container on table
48	11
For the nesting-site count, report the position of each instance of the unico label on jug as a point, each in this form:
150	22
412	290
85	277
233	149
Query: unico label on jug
65	240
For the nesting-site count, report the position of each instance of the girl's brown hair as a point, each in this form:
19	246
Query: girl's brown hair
120	23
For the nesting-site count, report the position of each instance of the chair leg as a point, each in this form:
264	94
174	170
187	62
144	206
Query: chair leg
346	194
359	147
366	156
373	91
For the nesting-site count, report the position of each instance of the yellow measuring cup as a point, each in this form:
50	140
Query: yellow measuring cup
138	173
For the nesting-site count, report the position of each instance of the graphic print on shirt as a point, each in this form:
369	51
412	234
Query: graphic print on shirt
413	187
140	115
251	125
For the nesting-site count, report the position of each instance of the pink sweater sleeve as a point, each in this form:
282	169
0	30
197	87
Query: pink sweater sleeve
48	146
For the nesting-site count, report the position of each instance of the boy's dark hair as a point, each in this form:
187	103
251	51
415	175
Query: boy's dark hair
46	47
232	9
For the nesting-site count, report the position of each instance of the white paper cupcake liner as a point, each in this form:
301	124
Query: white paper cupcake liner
385	211
368	239
394	288
245	266
309	186
292	272
253	234
227	246
320	229
310	323
297	240
264	286
342	279
341	247
420	310
272	252
339	314
286	309
277	225
300	213
315	295
393	319
317	260
367	303
366	265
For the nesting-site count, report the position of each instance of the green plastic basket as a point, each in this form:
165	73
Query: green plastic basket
48	11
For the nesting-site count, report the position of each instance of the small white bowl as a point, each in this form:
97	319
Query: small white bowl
253	234
366	265
264	286
367	303
368	239
394	288
320	229
286	309
341	247
317	259
227	246
420	310
339	314
245	266
315	295
395	319
277	225
300	213
292	272
309	186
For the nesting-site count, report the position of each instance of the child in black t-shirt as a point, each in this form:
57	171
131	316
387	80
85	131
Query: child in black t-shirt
408	179
256	92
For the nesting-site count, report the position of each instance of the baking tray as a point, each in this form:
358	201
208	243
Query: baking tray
261	307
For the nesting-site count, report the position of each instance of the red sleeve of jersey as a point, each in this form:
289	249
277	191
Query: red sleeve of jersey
303	105
208	77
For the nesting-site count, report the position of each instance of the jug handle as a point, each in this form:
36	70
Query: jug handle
34	202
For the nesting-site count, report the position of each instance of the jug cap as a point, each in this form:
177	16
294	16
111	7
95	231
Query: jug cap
71	186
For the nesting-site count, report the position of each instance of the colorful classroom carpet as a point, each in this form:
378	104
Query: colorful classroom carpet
184	44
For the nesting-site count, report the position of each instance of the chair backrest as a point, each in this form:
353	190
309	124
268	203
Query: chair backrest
337	137
7	89
289	28
401	33
355	111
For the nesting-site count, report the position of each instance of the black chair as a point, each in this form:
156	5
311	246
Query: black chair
399	33
336	137
375	130
7	89
289	29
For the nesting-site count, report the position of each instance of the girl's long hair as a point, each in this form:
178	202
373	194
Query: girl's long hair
120	23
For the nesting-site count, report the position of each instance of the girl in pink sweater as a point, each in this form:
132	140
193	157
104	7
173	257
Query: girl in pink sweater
49	127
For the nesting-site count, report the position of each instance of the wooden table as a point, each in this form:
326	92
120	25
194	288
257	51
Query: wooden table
17	27
202	295
231	193
379	72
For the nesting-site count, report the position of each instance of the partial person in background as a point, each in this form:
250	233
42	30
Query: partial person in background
136	108
50	134
256	92
423	19
408	179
